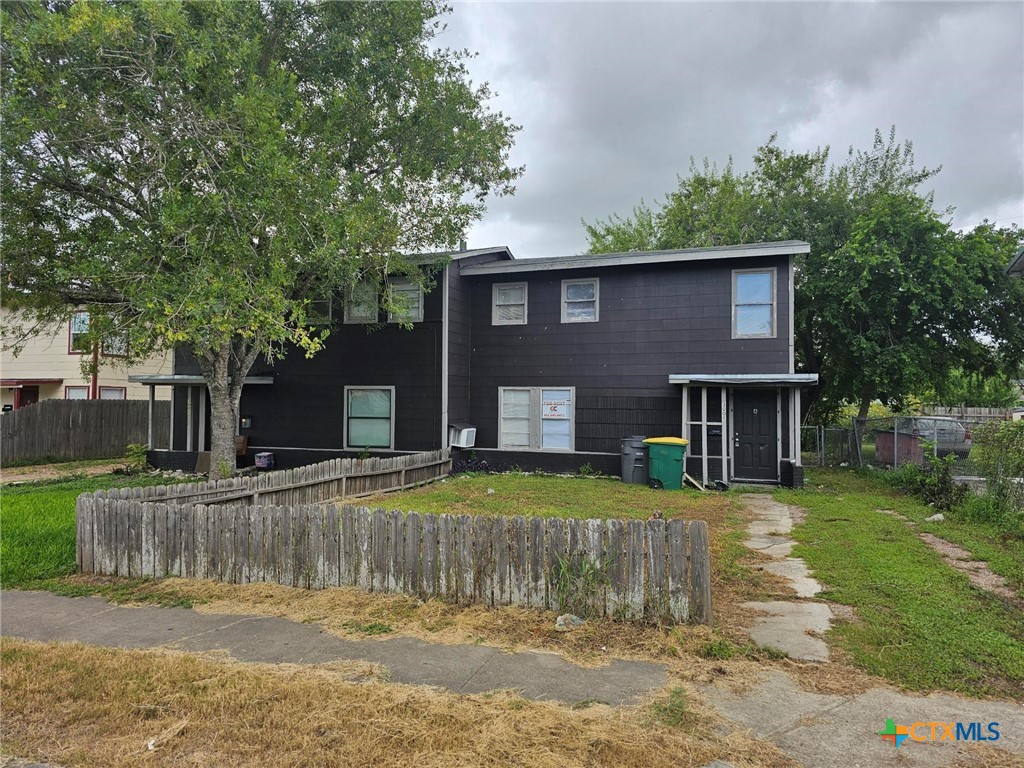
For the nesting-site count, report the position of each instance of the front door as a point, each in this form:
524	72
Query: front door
755	438
26	396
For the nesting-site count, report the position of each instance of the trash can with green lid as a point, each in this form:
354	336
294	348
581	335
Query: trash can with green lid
665	463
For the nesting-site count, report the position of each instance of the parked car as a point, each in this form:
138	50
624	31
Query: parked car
951	438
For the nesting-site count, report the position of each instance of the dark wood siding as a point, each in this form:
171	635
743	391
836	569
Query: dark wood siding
304	407
654	320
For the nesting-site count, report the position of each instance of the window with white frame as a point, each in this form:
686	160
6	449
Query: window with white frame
76	393
580	300
369	417
112	393
116	345
508	305
753	303
536	418
408	299
79	328
361	303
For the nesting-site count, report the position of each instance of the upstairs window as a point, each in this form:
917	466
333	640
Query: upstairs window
76	393
116	345
508	306
580	301
320	312
361	304
753	304
77	343
408	298
113	393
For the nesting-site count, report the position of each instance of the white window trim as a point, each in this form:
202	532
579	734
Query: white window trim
597	299
417	318
349	319
774	303
391	445
494	303
536	395
71	332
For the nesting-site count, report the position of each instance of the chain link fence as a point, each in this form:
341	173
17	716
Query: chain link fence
900	440
822	446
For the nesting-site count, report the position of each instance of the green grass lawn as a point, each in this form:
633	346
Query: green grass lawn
37	526
519	493
919	622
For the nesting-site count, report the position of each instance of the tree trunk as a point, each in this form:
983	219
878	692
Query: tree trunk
859	424
225	370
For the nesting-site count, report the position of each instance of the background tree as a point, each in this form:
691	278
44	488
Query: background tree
196	173
890	300
977	391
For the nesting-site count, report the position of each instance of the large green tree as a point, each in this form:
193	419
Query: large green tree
197	173
889	301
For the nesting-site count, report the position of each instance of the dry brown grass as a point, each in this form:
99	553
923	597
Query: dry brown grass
82	706
694	654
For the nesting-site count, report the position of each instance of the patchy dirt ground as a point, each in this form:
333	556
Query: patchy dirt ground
977	571
957	557
9	475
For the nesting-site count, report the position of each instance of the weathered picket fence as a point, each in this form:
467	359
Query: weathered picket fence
79	429
312	484
655	569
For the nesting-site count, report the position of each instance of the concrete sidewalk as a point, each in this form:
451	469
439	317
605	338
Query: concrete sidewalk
459	668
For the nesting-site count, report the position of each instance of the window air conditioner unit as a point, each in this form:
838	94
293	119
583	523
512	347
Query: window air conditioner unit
461	435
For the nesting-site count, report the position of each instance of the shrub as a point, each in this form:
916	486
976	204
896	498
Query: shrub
999	453
933	483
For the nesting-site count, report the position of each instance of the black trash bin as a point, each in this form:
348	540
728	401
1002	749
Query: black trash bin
634	460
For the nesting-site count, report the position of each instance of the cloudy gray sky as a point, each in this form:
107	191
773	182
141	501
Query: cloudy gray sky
614	98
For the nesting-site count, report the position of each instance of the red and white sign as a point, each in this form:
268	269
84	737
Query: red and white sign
554	409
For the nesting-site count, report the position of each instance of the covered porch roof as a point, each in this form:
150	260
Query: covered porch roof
741	379
181	379
19	383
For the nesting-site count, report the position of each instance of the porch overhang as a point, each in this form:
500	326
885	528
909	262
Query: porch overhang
184	380
748	379
19	383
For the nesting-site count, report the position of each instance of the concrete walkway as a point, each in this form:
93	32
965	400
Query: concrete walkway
783	624
459	668
824	731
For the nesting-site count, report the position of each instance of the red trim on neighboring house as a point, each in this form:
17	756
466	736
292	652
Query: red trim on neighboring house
123	390
24	382
19	396
78	386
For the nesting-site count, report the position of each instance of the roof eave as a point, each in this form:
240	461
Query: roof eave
1016	267
596	261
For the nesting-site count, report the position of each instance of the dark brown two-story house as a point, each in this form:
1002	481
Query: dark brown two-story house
543	363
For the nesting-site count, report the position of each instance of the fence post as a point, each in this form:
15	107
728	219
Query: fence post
895	442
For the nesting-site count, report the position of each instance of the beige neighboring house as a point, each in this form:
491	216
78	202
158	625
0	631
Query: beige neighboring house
49	366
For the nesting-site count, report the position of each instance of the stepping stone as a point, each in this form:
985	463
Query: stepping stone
794	570
773	546
786	625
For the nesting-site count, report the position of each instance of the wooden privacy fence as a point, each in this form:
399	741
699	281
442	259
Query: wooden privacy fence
79	429
965	413
652	569
312	484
